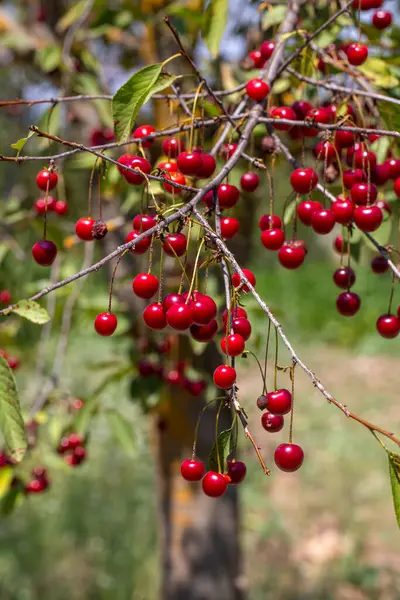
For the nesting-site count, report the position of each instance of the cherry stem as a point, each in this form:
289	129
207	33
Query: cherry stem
45	210
266	357
216	435
160	279
114	272
194	271
391	295
196	430
261	370
276	359
91	186
194	114
292	408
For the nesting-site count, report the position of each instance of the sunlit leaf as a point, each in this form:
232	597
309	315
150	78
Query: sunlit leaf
11	421
21	142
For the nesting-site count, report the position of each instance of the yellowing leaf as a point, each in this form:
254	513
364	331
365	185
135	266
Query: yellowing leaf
6	477
32	311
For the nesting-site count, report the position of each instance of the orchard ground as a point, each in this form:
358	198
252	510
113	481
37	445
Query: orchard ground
327	532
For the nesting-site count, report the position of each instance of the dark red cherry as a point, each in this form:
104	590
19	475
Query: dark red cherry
236	471
207	168
344	139
283	112
175	244
303	180
242	326
323	221
381	174
154	317
394	167
291	256
140	247
44	252
344	277
339	244
204	333
272	423
257	89
272	239
189	162
249	181
289	457
363	193
214	484
379	264
279	402
368	218
306	209
145	285
143	222
250	276
352	177
105	323
46	180
192	470
142	132
396	187
388	326
357	54
84	228
269	222
301	108
325	151
224	377
140	163
180	316
228	195
267	49
172	147
348	303
172	299
343	209
232	345
364	159
382	19
229	227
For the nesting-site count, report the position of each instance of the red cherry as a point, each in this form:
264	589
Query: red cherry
303	180
145	285
348	303
44	252
236	312
249	181
381	174
242	326
325	151
250	276
279	402
382	19
289	457
339	244
101	137
203	307
272	239
363	159
5	297
214	484
208	166
368	218
267	49
180	316
283	112
343	209
228	195
192	470
105	323
229	227
388	326
394	167
172	147
257	89
39	473
75	439
124	161
176	178
137	162
379	264
316	115
272	423
154	317
169	165
143	223
40	205
204	333
396	187
291	256
189	163
61	208
172	299
195	388
323	221
228	150
140	247
306	209
46	180
84	227
175	244
142	132
36	486
235	346
352	177
344	139
13	362
363	193
269	222
301	108
344	277
224	377
367	4
236	471
357	54
257	58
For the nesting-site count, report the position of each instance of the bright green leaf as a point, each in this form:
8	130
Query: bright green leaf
304	64
11	421
215	21
288	214
48	58
274	16
32	311
130	97
121	430
71	16
379	72
21	142
394	471
220	450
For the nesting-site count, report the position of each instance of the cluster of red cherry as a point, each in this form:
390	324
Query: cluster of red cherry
72	449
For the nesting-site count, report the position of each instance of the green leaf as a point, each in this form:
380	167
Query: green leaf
130	97
379	72
71	16
304	64
221	449
289	212
6	477
381	147
394	471
390	114
215	21
28	309
11	421
381	235
48	58
21	142
274	16
13	498
121	430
